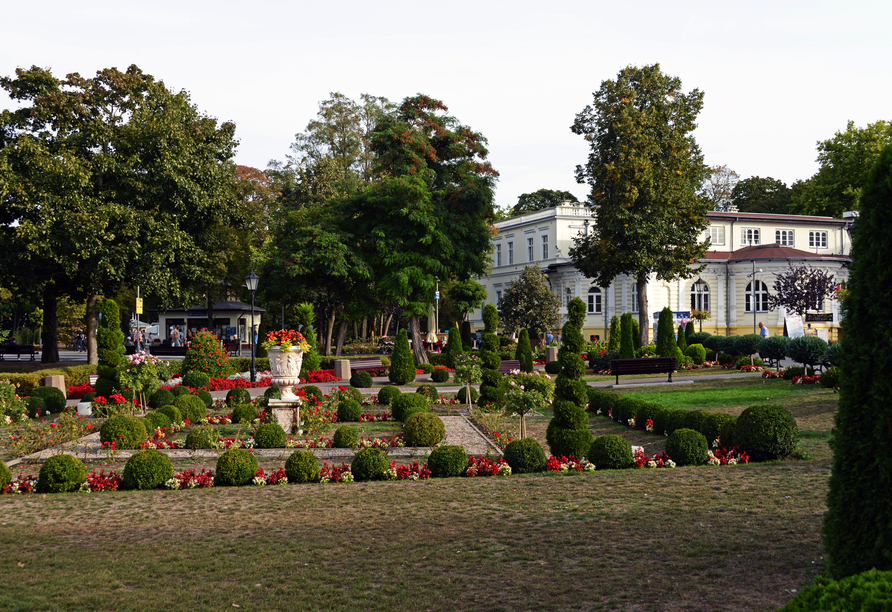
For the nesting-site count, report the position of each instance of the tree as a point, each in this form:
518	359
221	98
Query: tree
110	343
666	342
402	366
627	344
802	288
112	181
492	390
644	169
762	195
858	521
681	340
846	161
544	198
453	346
718	185
524	353
529	303
467	295
615	337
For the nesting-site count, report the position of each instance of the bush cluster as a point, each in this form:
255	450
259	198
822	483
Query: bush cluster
236	467
61	474
447	461
147	469
525	456
424	429
302	466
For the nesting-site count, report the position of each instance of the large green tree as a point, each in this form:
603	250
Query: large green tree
718	185
858	521
846	160
529	303
762	195
467	295
645	169
543	198
110	181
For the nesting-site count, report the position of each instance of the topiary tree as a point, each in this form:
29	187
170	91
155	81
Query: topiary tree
405	404
689	330
424	429
766	431
611	452
235	468
774	348
236	396
109	349
349	410
681	340
196	380
524	352
345	437
636	333
192	407
402	364
387	394
615	337
244	413
362	380
128	432
808	350
666	344
453	346
270	435
627	343
687	447
466	339
207	355
369	464
492	391
163	397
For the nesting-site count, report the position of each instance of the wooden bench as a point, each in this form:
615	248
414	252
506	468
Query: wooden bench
366	365
643	365
232	347
168	351
17	350
507	366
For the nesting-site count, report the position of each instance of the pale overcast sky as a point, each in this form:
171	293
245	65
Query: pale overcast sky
778	76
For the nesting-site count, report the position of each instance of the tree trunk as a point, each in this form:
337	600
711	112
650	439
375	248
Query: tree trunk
329	330
417	340
365	328
50	353
643	321
342	335
92	326
387	325
355	330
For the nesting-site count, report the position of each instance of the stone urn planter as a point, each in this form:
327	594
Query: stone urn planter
85	409
285	367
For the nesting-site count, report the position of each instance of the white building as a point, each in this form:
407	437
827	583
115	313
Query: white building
741	243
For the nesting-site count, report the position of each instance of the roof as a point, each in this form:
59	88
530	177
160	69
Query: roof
221	306
774	217
770	251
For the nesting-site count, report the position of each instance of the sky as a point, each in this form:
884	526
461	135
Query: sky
777	76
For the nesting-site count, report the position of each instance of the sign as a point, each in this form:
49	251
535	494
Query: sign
197	313
230	331
681	317
438	295
793	326
138	305
822	317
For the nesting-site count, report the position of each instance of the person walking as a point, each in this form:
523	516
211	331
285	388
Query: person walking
763	330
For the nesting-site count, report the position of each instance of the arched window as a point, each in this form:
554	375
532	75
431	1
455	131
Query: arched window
757	297
699	296
594	300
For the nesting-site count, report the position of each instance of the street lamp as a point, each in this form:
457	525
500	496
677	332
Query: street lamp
698	292
753	301
251	283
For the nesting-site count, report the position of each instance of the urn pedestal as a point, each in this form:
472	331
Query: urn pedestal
285	367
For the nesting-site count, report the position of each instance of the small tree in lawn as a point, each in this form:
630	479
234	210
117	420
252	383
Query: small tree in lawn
453	346
109	349
528	302
468	372
524	353
802	288
627	344
402	364
615	338
666	344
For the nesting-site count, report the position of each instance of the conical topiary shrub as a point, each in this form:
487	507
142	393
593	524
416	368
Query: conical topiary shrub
402	363
466	339
453	346
109	349
627	342
613	340
524	352
666	344
681	340
492	391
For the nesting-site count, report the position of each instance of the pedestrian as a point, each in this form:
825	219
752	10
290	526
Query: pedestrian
763	331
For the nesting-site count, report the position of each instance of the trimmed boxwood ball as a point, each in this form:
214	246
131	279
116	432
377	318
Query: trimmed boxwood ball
525	456
345	437
766	431
386	395
157	419
568	442
720	426
244	413
429	391
552	367
5	474
171	412
439	375
302	466
205	396
196	380
349	411
236	467
687	447
270	435
126	431
462	395
180	390
202	437
272	392
237	396
192	407
406	404
61	474
424	429
147	469
611	452
426	368
53	398
369	464
36	406
312	391
697	420
447	461
363	380
869	590
161	397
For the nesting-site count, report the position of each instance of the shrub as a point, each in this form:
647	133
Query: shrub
206	354
766	431
661	420
5	475
244	413
697	420
350	392
611	452
147	469
462	395
402	363
349	410
626	335
601	399
36	406
196	380
428	391
126	431
270	435
525	456
676	420
302	466
648	350
171	412
553	367
810	350
191	407
601	361
830	378
362	380
387	394
666	333
870	590
53	398
687	447
180	390
744	360
157	419
408	403
834	354
370	463
646	411
447	461
697	338
697	352
719	426
566	441
161	397
61	474
236	467
439	376
774	348
681	339
109	349
793	371
726	359
205	396
345	437
426	368
271	392
314	392
423	429
238	396
626	408
202	437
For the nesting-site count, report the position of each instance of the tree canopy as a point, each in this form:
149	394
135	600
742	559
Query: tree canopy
529	303
718	185
467	295
802	288
644	169
762	195
543	198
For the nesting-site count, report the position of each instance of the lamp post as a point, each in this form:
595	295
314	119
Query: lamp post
251	283
698	291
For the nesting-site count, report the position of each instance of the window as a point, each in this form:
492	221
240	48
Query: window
568	296
510	253
749	236
594	300
757	297
716	234
634	297
544	246
498	255
817	240
784	237
530	255
498	297
699	296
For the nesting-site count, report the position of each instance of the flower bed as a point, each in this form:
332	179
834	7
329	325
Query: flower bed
805	380
569	464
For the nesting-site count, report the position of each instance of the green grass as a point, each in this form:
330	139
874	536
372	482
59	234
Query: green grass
725	393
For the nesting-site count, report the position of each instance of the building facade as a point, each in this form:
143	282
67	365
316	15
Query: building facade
747	251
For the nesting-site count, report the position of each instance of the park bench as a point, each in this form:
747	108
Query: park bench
17	350
509	365
232	347
366	365
168	351
643	365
